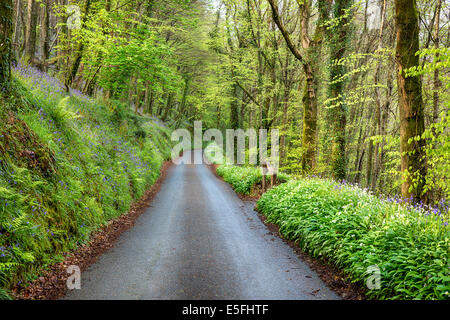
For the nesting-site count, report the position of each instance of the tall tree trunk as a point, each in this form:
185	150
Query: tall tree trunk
45	33
168	106
284	119
6	33
309	135
369	172
378	110
30	36
411	108
338	47
235	90
17	29
436	81
234	107
384	119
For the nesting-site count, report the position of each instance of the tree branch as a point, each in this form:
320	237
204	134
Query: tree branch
290	44
247	93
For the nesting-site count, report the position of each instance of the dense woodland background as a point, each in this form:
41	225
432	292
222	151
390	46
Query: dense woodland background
358	89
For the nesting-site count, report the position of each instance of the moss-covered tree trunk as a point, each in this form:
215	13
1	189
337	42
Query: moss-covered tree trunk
6	33
338	45
410	99
312	48
309	135
437	83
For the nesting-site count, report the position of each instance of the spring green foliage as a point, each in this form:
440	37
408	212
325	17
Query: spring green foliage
67	166
437	140
438	153
354	230
131	49
242	179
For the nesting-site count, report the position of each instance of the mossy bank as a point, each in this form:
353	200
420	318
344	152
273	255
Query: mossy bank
68	164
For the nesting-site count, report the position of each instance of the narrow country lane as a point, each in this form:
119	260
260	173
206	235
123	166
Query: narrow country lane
198	240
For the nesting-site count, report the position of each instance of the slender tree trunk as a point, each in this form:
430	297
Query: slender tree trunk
360	149
30	36
131	89
378	111
234	107
384	120
436	81
151	102
168	106
411	108
184	98
17	29
309	135
146	97
45	33
284	121
79	53
369	172
338	47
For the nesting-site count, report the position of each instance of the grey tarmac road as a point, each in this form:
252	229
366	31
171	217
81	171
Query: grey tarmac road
199	240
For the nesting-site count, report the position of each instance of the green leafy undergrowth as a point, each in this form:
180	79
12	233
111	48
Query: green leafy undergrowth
68	164
244	178
360	232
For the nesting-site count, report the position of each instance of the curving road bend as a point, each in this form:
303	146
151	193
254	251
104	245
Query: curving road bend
198	240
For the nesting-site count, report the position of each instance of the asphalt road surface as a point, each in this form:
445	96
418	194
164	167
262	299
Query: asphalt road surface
198	240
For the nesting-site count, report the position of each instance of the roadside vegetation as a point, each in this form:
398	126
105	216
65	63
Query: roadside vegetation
360	233
357	231
245	179
68	164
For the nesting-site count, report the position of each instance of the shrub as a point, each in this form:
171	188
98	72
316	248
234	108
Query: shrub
243	178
